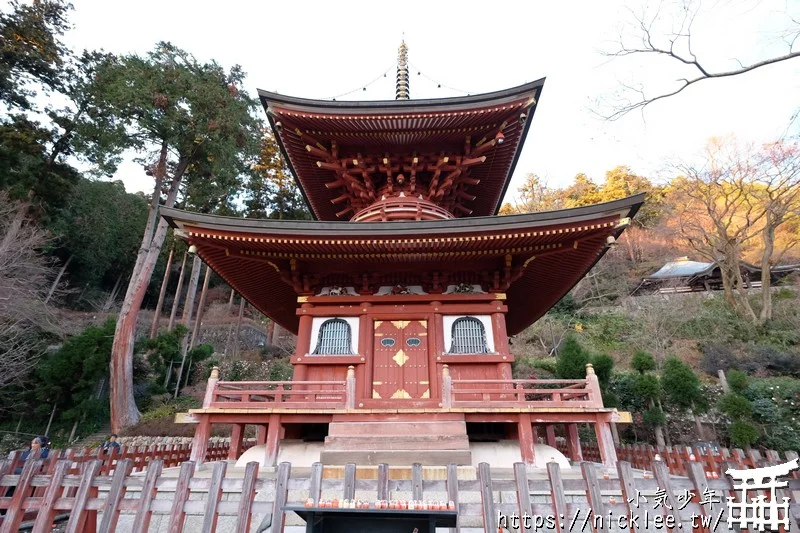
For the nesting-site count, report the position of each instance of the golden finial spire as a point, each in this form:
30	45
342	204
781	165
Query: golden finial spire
402	92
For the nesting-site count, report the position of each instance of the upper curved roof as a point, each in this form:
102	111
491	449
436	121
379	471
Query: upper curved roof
400	128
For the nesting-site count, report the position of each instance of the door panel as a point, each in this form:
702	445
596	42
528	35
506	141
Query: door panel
400	359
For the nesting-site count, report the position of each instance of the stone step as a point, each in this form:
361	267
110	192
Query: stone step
373	429
406	442
395	457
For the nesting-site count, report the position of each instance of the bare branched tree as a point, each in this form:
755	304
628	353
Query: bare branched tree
25	279
677	46
717	210
779	192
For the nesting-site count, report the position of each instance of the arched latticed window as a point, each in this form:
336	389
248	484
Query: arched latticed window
468	336
334	338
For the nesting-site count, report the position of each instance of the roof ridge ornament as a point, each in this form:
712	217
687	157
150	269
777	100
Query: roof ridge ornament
402	89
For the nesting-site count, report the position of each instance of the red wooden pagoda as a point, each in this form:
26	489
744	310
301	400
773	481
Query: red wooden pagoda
405	288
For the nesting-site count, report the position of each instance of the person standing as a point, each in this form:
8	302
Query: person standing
111	445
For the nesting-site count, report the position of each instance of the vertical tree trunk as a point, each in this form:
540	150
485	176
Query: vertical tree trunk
58	278
161	294
177	294
271	332
701	434
238	327
50	422
200	308
191	293
123	406
187	315
230	326
766	277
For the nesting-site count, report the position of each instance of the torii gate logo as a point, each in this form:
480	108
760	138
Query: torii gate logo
758	511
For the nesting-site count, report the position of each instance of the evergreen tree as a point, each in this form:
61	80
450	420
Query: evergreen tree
572	360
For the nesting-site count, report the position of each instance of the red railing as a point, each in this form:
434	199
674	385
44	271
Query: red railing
283	394
521	392
254	394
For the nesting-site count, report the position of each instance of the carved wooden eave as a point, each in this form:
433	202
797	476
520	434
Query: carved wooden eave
458	153
535	258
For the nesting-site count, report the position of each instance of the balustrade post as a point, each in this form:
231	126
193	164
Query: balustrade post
210	387
350	388
447	388
593	385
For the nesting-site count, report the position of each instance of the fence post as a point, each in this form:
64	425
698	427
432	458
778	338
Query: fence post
210	386
350	388
447	388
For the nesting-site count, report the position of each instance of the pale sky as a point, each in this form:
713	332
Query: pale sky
322	49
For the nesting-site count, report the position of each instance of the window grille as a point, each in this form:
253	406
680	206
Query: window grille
387	342
334	338
468	336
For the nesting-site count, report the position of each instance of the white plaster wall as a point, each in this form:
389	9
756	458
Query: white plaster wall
316	322
505	453
486	320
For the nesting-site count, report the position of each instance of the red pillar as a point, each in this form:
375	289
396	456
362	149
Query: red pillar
235	449
574	443
303	342
551	435
605	442
200	441
526	438
273	440
261	435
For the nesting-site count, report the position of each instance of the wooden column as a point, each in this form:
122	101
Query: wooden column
605	442
200	441
303	343
273	440
550	430
501	343
261	434
526	438
235	449
574	443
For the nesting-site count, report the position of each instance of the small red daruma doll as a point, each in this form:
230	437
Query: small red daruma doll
309	503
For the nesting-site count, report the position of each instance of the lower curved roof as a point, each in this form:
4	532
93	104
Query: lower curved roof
272	262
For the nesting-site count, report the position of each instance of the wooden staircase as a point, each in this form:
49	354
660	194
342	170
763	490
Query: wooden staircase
398	440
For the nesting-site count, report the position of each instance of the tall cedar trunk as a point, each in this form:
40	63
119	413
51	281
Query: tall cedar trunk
629	246
58	278
658	430
123	406
161	294
187	315
178	291
766	294
238	328
200	308
701	434
271	332
230	325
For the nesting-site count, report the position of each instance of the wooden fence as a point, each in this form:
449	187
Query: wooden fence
679	458
191	502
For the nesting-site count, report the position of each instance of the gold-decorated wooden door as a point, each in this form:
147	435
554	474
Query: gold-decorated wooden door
400	359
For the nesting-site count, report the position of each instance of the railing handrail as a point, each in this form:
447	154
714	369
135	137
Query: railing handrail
229	383
522	381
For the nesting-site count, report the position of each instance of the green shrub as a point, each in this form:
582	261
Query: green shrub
654	417
735	406
603	366
572	360
648	387
737	380
643	362
681	384
742	433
